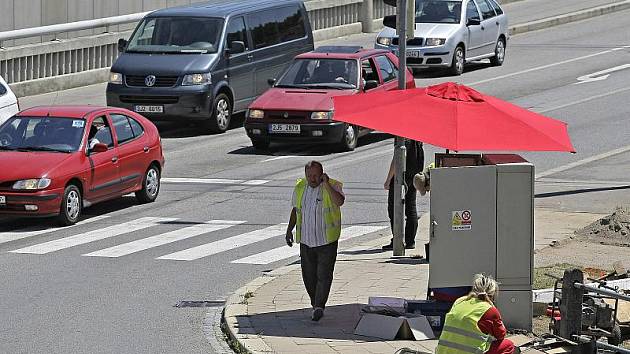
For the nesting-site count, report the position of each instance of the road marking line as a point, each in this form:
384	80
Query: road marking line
600	75
227	244
92	236
28	232
582	182
279	158
163	239
253	182
585	100
284	252
546	66
585	161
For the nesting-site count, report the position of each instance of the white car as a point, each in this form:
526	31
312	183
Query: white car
8	102
451	33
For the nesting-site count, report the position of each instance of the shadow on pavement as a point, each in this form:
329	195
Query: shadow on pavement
580	191
338	323
442	73
311	149
408	261
188	129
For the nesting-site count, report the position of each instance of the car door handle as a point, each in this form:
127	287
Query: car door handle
114	159
146	149
497	23
483	28
250	56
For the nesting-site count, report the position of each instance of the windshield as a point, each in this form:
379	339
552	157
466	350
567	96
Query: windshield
176	35
322	73
41	134
438	11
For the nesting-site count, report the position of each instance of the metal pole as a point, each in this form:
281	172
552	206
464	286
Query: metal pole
399	145
606	292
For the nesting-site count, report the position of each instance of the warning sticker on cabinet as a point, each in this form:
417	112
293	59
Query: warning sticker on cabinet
461	220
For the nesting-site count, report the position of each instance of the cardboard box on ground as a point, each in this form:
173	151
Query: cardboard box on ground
386	318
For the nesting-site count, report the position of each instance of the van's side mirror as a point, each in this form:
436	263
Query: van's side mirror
389	21
236	47
100	147
370	84
122	45
271	82
473	22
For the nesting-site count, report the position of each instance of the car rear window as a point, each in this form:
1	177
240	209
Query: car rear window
3	90
275	26
496	7
124	133
136	127
486	10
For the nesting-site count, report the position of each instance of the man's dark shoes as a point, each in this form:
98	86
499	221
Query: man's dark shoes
389	247
410	246
318	313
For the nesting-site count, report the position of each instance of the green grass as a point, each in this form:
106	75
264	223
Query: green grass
541	281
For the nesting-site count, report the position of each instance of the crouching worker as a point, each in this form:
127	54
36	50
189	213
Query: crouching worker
474	324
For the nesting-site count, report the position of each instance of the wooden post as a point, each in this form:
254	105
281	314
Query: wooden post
571	304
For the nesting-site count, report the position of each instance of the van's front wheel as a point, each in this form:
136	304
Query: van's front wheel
221	114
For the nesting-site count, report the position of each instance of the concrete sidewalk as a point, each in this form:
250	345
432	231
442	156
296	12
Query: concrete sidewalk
272	313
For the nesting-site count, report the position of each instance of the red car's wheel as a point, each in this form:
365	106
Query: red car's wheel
71	206
150	186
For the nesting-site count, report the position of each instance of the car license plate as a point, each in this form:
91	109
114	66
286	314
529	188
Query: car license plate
149	109
3	199
284	128
413	54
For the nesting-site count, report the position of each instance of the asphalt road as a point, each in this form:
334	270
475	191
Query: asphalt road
62	294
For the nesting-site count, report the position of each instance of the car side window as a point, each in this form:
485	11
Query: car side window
136	127
236	32
471	12
290	23
264	28
496	7
124	133
388	73
486	10
100	132
368	71
3	90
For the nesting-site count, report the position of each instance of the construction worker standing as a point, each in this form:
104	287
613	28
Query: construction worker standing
474	325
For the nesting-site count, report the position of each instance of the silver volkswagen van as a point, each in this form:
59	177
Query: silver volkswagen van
450	33
206	61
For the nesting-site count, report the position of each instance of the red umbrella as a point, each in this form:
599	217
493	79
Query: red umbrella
454	117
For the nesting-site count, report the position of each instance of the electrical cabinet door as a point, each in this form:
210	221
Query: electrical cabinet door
463	230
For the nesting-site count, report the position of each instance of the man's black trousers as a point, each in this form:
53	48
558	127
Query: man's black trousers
318	265
411	212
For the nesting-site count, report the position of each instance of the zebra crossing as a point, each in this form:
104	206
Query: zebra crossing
229	239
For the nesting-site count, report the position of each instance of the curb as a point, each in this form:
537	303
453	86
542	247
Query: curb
568	18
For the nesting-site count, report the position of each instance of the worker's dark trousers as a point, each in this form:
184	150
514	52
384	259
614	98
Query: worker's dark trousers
411	213
318	265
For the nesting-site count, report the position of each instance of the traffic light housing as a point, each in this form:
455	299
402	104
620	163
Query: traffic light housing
392	20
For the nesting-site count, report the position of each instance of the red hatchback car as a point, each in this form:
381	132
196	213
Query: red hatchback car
299	106
56	160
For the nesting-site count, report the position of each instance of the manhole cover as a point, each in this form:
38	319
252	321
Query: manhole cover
197	303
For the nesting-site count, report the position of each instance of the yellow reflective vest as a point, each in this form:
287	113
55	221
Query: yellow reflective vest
330	211
461	333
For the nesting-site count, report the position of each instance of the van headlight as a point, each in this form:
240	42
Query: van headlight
32	184
432	42
115	78
197	79
386	41
256	113
322	115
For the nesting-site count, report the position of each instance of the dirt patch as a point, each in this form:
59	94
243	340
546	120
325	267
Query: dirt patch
613	229
584	254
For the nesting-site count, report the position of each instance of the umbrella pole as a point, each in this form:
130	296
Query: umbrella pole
399	145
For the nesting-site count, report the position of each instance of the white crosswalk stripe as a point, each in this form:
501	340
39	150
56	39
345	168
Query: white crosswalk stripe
227	243
25	233
284	252
94	235
165	238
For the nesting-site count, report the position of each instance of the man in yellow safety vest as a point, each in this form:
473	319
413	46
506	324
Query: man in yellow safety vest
316	216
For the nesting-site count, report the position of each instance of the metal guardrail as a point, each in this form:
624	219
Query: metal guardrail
71	26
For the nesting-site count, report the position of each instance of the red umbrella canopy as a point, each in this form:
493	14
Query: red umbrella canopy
454	117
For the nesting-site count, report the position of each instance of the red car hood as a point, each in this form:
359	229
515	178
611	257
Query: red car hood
18	165
298	99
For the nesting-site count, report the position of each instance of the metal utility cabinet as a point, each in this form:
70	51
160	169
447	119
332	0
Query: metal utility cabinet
482	221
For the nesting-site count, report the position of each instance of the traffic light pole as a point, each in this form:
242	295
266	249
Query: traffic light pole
399	145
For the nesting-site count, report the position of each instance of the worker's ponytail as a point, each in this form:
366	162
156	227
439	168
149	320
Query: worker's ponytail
484	288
